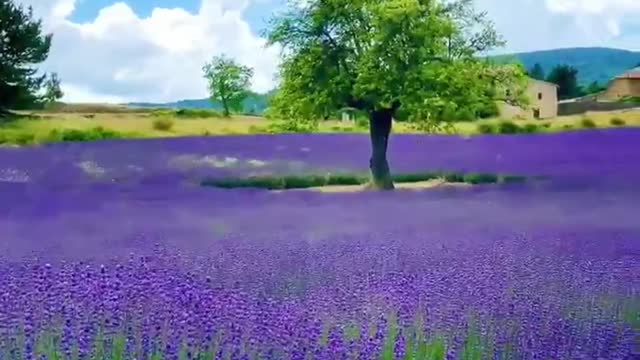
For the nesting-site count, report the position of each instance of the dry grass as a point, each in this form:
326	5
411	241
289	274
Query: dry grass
140	122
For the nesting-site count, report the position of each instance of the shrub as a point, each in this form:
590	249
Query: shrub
197	113
24	138
616	121
163	124
567	127
465	114
362	122
587	123
508	127
530	128
76	135
453	177
415	177
485	128
488	110
546	125
480	178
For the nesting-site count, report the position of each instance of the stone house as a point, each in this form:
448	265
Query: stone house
625	85
543	102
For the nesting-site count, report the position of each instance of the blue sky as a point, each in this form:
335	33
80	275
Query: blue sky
256	14
108	51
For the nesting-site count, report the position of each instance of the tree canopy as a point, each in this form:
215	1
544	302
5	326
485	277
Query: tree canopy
228	82
537	72
419	58
22	46
566	77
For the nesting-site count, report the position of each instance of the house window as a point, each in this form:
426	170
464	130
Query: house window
539	96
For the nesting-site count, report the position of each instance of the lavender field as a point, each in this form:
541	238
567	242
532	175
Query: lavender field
110	250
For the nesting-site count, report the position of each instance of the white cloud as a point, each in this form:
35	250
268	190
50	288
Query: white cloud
120	56
546	24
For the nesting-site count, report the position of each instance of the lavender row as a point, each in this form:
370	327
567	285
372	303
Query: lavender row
596	153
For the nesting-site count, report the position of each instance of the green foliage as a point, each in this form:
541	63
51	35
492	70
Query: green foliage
163	124
486	128
187	113
594	88
530	128
488	109
480	178
508	127
587	123
292	127
536	72
630	100
22	45
52	90
228	82
415	57
76	135
566	77
315	180
616	121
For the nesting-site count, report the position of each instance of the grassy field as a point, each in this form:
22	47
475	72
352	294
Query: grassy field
43	126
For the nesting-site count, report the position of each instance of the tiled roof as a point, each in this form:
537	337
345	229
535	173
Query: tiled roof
631	74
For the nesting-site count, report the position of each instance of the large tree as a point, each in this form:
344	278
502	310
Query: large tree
22	46
228	82
385	57
566	77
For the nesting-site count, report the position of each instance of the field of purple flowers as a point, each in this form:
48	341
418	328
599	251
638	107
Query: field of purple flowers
108	252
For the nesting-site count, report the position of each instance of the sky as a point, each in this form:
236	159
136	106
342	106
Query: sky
153	50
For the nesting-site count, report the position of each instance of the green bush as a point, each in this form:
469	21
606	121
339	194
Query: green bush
480	178
567	127
23	138
508	127
465	114
163	124
488	110
546	125
76	135
616	121
291	127
197	113
187	113
453	177
362	122
486	128
587	123
530	128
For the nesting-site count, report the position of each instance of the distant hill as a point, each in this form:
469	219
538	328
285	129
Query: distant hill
593	64
254	104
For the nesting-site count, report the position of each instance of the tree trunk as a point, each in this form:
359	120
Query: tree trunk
225	108
379	130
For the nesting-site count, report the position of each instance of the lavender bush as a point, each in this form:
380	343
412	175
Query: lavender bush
152	270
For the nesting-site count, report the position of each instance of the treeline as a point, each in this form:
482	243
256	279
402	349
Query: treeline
566	77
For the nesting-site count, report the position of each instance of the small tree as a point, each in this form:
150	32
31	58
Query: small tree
418	58
22	45
228	82
52	90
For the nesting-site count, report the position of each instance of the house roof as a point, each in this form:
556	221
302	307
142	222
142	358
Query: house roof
543	82
631	74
